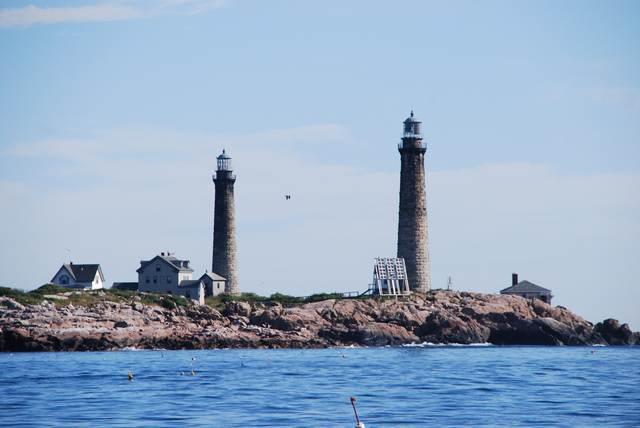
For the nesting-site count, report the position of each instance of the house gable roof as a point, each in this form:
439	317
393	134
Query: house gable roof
86	273
213	276
190	283
81	273
525	287
67	269
174	263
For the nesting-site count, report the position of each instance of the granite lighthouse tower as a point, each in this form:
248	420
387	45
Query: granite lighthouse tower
413	234
224	225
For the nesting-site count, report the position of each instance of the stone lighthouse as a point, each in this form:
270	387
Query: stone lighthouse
413	235
224	225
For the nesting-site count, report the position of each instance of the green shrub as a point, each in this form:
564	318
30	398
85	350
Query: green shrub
121	294
285	298
150	299
10	292
50	289
323	296
89	298
20	296
219	302
177	300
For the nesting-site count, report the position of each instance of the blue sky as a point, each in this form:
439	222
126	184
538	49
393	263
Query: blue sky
113	112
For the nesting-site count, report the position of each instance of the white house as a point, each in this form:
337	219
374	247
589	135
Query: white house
192	289
213	283
86	277
167	274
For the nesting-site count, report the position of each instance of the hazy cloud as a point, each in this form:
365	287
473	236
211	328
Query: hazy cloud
101	12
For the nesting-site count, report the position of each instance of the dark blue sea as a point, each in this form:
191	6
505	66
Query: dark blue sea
427	386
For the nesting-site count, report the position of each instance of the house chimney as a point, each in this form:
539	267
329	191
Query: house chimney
514	279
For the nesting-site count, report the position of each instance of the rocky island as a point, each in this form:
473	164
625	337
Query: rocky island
111	321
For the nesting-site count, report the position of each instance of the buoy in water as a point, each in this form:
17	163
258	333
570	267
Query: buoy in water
359	423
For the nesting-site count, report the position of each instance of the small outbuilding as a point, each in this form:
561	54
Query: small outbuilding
84	277
192	289
527	289
213	284
128	286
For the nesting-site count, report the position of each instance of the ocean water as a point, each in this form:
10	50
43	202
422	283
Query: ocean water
427	386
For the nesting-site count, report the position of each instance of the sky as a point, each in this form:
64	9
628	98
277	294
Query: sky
112	113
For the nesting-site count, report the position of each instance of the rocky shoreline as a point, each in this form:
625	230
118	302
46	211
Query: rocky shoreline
438	317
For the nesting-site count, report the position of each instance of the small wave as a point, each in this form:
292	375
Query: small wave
472	344
427	344
348	347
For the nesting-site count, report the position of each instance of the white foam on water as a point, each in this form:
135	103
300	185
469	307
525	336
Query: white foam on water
428	344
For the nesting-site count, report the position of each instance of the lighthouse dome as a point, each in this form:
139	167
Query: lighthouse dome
412	127
412	118
224	161
224	155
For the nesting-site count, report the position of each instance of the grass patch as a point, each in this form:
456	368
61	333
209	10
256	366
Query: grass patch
323	296
219	302
168	301
90	298
21	296
50	289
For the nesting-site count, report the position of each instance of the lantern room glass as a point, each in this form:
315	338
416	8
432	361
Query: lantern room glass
224	164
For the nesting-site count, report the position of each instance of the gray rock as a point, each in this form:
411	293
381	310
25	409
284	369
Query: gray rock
55	297
10	303
242	309
616	334
382	334
440	327
121	324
